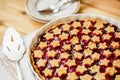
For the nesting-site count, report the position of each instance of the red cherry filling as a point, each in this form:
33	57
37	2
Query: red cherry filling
102	69
108	77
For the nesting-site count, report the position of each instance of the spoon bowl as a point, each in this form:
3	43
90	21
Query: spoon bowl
56	8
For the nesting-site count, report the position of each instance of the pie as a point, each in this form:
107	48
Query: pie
85	49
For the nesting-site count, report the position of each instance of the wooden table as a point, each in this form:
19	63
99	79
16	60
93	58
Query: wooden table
12	13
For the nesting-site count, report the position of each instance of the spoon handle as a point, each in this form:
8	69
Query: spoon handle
19	71
59	5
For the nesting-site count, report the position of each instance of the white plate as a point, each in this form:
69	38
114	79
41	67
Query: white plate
61	20
36	19
66	10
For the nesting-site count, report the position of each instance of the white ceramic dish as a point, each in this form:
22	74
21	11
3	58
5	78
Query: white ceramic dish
68	9
72	17
36	19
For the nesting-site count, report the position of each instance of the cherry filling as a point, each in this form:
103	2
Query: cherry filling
118	69
112	57
102	69
72	69
60	50
108	77
41	68
36	59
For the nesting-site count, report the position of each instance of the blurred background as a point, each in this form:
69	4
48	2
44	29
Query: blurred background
12	13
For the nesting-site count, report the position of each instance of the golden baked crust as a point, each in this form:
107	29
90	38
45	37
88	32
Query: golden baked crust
35	68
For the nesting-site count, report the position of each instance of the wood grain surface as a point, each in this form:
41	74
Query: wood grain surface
12	13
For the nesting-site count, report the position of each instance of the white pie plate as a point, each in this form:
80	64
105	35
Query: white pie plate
67	9
61	20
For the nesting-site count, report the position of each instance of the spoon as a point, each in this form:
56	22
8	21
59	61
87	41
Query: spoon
56	8
13	48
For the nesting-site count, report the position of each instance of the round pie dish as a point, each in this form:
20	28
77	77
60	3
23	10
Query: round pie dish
77	47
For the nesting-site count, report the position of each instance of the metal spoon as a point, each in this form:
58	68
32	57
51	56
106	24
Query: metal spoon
56	8
13	48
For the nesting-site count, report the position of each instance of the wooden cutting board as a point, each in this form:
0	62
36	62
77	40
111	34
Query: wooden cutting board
12	13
